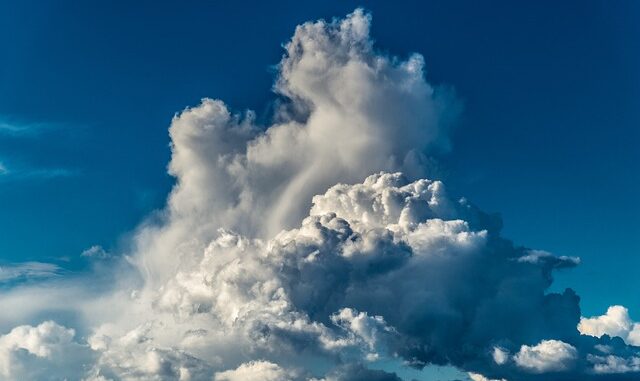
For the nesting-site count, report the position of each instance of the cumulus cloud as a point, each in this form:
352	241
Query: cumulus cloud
547	356
133	356
346	112
614	364
310	247
374	269
362	327
615	322
256	370
479	377
47	351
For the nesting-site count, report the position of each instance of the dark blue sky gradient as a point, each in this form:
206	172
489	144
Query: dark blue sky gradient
549	135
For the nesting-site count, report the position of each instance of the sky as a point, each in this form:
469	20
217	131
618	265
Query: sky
546	98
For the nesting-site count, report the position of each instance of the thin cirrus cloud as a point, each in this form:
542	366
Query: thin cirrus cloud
23	173
316	247
10	170
28	271
15	129
18	129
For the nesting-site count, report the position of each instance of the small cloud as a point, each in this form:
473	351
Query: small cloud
478	377
20	129
28	270
547	356
48	173
10	171
25	173
541	257
500	355
95	252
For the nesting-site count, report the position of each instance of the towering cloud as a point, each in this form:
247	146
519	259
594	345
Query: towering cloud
311	248
347	112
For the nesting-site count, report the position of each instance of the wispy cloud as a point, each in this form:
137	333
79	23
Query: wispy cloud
10	173
24	129
28	270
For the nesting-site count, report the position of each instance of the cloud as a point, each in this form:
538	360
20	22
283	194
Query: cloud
127	357
479	377
548	259
21	173
311	247
256	370
362	327
615	322
500	356
346	112
614	364
22	129
47	351
547	356
28	271
376	268
95	252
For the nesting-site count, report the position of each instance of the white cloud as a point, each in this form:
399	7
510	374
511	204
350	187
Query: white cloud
615	322
350	112
544	257
547	356
95	252
614	364
15	173
479	377
363	327
28	271
22	129
44	352
256	371
500	355
127	356
388	246
300	242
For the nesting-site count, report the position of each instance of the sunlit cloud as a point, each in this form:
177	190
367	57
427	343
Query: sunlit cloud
311	248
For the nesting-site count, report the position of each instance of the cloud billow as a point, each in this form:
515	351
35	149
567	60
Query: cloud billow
316	246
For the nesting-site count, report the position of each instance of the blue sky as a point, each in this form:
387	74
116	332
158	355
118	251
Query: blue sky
548	136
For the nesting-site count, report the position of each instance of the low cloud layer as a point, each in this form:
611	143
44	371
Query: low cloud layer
316	247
